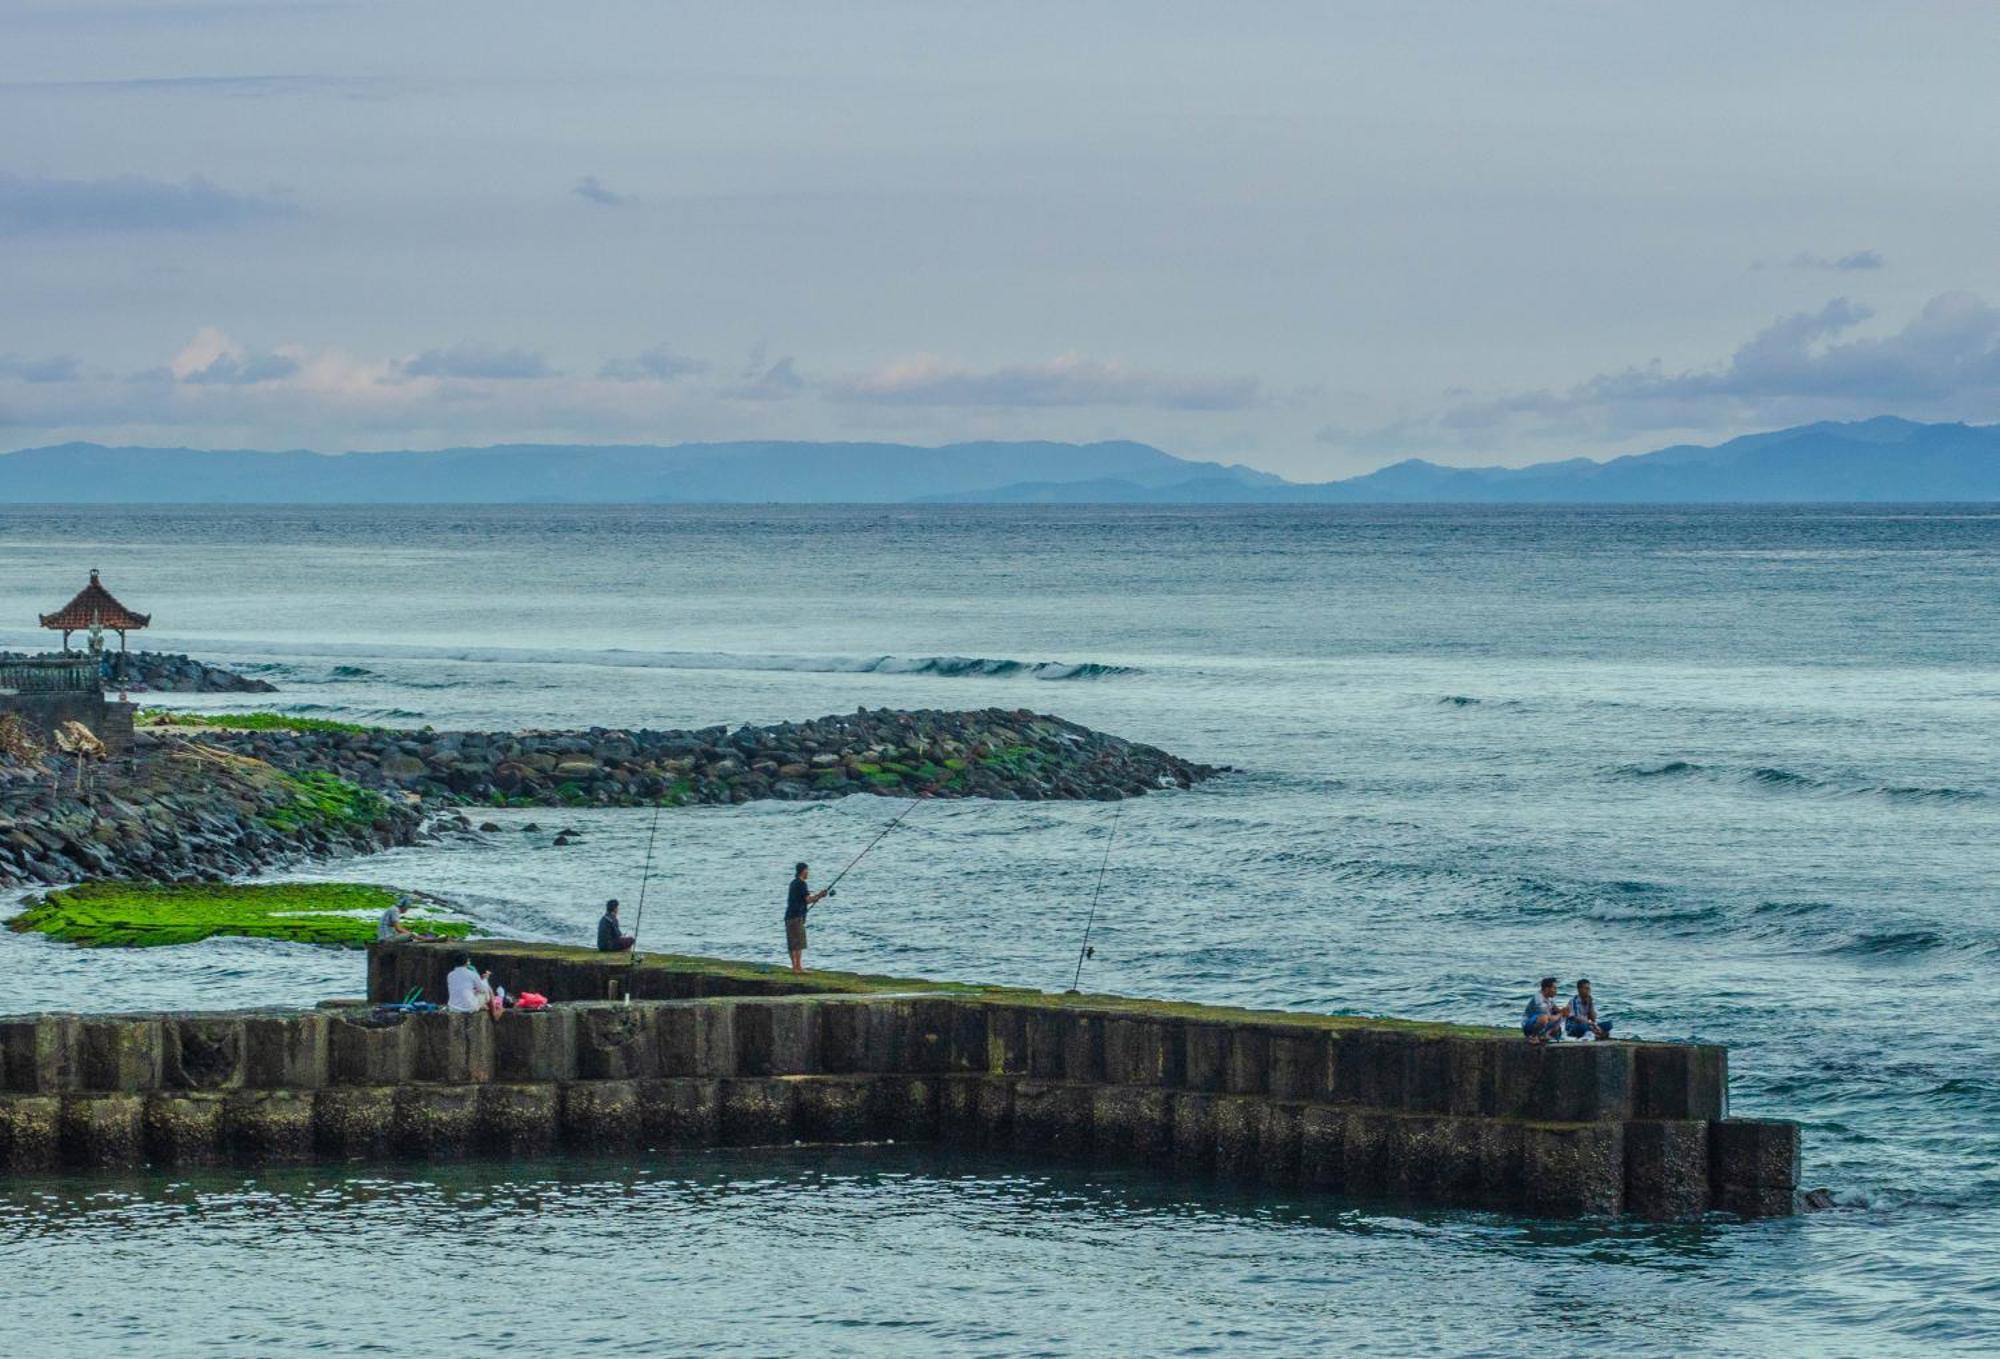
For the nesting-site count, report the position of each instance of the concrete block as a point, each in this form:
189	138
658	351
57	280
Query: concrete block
1280	1142
355	1123
1502	1152
1666	1169
121	1053
615	1042
1322	1147
436	1122
1753	1166
364	1048
1437	1157
1249	1062
517	1121
286	1052
103	1131
1133	1125
681	1112
1371	1153
1047	1033
1194	1131
1680	1081
1205	1055
38	1054
201	1052
930	1036
1082	1046
1238	1122
834	1108
1369	1069
1573	1169
776	1038
977	1111
268	1127
1052	1118
1471	1075
1427	1075
183	1128
1006	1041
1300	1065
1144	1052
758	1112
599	1115
969	1044
452	1047
1564	1082
535	1046
696	1039
905	1108
30	1132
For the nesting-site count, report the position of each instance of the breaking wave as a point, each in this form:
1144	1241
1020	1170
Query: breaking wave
1779	780
347	653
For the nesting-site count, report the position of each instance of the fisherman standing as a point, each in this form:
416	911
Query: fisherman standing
798	900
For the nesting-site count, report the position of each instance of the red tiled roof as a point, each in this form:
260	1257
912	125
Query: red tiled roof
94	601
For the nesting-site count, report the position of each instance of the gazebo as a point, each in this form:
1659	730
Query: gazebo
95	610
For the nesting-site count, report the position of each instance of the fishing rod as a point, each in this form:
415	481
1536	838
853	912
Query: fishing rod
639	917
883	833
1085	951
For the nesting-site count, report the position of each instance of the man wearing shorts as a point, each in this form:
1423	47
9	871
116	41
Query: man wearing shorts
798	901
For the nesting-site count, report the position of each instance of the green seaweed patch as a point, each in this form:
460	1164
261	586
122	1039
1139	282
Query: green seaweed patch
148	915
326	801
167	717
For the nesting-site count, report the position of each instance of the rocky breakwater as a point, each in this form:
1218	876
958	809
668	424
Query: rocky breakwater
990	753
163	672
174	811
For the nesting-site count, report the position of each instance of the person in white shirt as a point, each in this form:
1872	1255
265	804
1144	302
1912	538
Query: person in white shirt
466	989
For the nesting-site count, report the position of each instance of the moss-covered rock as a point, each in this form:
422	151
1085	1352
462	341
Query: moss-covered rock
143	915
167	717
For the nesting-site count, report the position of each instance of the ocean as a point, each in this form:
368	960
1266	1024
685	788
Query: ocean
1737	766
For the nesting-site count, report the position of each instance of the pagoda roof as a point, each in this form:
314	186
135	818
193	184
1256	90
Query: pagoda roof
95	604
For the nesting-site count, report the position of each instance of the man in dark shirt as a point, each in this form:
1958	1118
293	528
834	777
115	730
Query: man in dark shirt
610	939
798	900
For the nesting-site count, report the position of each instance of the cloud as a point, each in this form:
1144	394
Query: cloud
591	188
56	368
658	364
1944	364
1849	263
1068	380
470	359
763	381
38	205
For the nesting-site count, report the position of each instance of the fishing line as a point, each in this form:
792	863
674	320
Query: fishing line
639	918
880	835
1085	951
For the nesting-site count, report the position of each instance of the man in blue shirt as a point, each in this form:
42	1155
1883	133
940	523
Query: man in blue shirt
1583	1014
799	899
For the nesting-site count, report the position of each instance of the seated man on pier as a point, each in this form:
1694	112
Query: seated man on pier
610	935
1583	1020
467	990
1544	1017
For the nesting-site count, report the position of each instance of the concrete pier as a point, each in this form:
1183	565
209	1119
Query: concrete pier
728	1054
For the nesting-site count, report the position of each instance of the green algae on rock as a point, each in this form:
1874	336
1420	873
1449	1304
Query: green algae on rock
262	721
145	915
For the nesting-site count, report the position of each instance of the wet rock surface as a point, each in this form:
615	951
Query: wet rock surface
160	672
1004	754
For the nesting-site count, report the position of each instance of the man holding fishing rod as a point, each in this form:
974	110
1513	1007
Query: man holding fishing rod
800	899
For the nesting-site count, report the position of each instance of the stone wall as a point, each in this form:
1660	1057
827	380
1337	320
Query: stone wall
1366	1108
109	721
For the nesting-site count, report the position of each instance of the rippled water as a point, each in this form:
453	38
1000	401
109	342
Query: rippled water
1737	767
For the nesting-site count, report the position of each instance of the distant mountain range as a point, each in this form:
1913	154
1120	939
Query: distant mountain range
1885	459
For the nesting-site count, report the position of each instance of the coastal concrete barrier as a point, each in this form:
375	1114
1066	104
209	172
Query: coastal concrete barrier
748	1056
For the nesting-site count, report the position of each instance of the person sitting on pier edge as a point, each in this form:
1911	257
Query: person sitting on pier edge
1583	1018
798	900
1544	1018
467	990
610	938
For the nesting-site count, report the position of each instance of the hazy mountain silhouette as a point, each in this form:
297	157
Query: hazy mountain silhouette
1885	459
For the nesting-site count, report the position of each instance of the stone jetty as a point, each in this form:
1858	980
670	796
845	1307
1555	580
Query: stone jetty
667	1055
162	672
995	753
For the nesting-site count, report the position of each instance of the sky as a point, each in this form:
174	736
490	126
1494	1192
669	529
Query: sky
1314	238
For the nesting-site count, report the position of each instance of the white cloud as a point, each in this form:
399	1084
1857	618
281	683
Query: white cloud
37	205
658	364
471	359
1067	380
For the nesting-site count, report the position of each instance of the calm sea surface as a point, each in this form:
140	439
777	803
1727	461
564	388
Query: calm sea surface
1736	766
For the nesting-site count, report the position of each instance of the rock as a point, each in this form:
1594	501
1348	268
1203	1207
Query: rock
1817	1200
530	828
489	826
